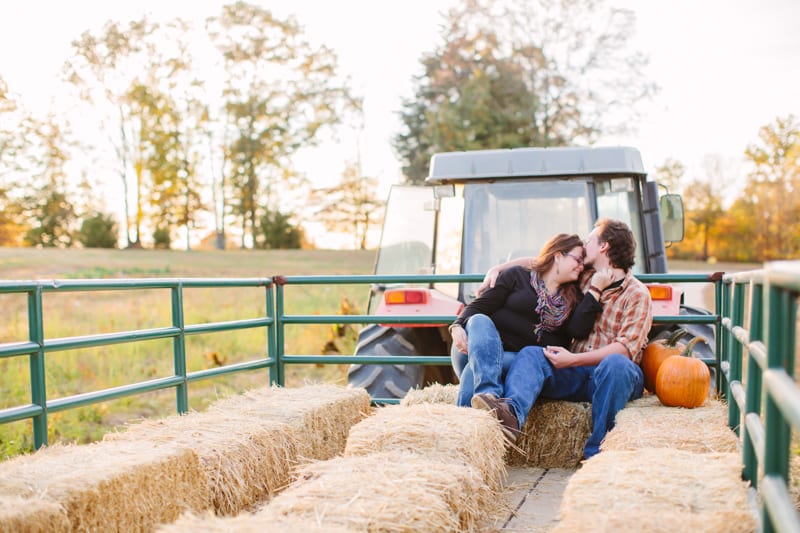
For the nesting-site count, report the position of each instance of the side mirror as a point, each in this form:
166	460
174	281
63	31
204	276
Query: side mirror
671	207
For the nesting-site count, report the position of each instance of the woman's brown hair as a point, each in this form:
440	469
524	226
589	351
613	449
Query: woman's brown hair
558	244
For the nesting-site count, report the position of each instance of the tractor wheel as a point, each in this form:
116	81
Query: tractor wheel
392	381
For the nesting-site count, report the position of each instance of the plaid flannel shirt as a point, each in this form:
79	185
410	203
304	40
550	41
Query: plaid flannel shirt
626	318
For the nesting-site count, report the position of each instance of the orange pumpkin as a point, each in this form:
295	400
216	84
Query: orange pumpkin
682	380
655	353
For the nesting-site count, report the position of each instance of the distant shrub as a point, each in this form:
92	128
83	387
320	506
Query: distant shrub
162	238
278	232
98	231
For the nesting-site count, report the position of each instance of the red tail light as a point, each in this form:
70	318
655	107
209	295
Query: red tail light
405	296
660	292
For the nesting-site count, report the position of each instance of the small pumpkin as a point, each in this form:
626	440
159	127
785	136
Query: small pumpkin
655	353
682	380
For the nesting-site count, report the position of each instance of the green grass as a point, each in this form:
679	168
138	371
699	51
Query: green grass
83	313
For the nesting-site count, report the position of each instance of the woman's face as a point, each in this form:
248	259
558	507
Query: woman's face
571	265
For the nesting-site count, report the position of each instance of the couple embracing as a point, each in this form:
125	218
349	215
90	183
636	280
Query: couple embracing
545	327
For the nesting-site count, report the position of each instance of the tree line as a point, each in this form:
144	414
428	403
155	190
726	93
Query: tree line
187	147
757	224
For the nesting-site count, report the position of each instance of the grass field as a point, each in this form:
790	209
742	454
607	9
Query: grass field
83	313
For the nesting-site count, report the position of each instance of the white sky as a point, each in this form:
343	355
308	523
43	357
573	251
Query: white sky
725	67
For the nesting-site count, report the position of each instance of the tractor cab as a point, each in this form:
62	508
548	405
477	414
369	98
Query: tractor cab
481	208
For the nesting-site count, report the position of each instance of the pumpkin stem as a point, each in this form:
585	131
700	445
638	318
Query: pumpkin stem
687	351
672	340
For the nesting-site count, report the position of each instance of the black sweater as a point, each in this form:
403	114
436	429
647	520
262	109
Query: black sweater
511	304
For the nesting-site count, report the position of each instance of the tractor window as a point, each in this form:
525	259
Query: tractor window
617	198
505	220
407	239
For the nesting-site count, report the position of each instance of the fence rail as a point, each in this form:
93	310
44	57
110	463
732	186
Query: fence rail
755	354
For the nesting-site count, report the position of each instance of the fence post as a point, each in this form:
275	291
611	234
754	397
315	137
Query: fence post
777	429
735	353
271	340
754	378
179	349
36	359
279	336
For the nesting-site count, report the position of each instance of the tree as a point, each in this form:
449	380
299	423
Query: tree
46	207
279	232
103	68
98	231
280	93
521	73
669	174
772	192
352	206
10	145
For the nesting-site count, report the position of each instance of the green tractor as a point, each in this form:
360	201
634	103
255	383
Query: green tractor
481	208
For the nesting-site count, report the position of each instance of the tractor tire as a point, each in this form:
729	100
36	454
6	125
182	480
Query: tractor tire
393	381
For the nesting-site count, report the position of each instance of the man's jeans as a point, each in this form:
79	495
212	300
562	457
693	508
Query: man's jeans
609	386
486	363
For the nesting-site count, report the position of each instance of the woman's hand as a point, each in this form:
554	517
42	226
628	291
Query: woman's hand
559	356
489	279
459	338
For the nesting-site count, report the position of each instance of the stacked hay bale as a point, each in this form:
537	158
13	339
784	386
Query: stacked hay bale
553	435
106	486
657	490
247	523
426	467
248	444
31	515
662	469
418	467
646	423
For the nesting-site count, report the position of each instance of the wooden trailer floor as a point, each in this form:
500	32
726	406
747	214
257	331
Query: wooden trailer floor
534	497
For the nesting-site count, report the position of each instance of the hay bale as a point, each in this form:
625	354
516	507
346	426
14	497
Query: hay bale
247	523
646	423
389	491
434	393
657	489
243	460
554	435
31	515
323	413
445	432
248	444
109	486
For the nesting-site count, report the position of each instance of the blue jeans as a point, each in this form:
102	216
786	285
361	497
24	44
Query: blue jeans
609	386
486	362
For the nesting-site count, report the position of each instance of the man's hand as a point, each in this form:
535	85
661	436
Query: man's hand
489	279
559	356
459	338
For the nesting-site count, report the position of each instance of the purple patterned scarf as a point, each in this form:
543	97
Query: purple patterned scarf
552	309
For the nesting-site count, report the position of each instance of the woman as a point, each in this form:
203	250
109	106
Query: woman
543	306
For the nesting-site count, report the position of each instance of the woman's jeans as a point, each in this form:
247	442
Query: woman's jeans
486	363
525	376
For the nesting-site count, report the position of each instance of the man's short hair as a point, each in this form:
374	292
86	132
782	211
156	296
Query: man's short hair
621	242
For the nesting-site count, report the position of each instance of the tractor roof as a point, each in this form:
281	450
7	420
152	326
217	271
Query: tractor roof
534	162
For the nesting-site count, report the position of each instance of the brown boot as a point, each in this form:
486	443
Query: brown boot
501	409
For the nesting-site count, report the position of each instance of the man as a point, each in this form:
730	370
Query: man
603	368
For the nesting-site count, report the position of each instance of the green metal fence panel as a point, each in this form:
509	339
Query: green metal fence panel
770	347
37	347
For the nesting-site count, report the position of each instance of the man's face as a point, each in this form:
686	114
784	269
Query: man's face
592	247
